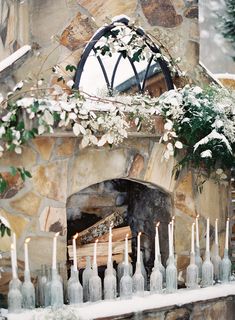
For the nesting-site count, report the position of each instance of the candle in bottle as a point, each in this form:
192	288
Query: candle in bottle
14	248
192	239
54	251
75	264
26	254
138	247
227	234
13	266
197	232
95	253
208	235
170	239
110	244
157	247
216	232
126	250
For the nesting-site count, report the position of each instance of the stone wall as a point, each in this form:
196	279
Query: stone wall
37	207
58	30
221	309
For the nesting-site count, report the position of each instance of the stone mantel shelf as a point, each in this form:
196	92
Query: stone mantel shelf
123	309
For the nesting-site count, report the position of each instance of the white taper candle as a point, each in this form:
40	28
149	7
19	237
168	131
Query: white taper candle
75	264
157	247
110	245
14	247
227	234
172	233
197	232
126	250
13	267
54	251
216	232
192	239
26	254
95	253
138	247
169	239
208	235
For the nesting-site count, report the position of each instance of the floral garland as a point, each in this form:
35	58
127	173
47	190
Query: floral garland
200	123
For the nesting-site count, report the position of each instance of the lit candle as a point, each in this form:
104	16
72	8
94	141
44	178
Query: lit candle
126	250
208	235
216	232
157	247
13	267
26	254
95	253
110	244
172	233
197	232
192	239
14	247
226	234
54	251
138	247
169	239
75	264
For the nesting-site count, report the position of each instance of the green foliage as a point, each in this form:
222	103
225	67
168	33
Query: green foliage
24	174
4	229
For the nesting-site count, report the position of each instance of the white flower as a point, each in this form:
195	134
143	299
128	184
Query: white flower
48	117
218	124
41	129
2	131
219	171
70	83
1	151
18	150
170	146
197	90
72	116
85	141
206	154
7	117
168	126
223	176
178	145
40	82
19	85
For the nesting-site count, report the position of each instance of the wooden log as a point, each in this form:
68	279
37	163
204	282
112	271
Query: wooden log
101	261
118	234
101	227
102	249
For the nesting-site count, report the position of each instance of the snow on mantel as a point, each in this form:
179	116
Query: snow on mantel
7	62
100	309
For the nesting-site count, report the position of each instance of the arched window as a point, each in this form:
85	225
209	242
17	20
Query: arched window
121	58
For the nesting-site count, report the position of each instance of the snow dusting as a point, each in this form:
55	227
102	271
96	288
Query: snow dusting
90	311
5	63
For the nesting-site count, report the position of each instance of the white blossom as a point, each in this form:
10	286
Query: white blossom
19	85
178	145
2	131
70	83
206	154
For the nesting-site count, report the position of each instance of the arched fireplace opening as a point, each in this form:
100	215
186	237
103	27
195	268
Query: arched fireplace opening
130	205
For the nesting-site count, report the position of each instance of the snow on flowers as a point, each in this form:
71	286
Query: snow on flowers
199	125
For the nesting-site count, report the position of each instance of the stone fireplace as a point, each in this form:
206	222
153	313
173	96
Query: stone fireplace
73	188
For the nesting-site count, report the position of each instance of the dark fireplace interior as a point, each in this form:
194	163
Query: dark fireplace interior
142	206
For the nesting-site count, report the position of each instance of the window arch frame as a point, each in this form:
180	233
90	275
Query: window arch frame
148	41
